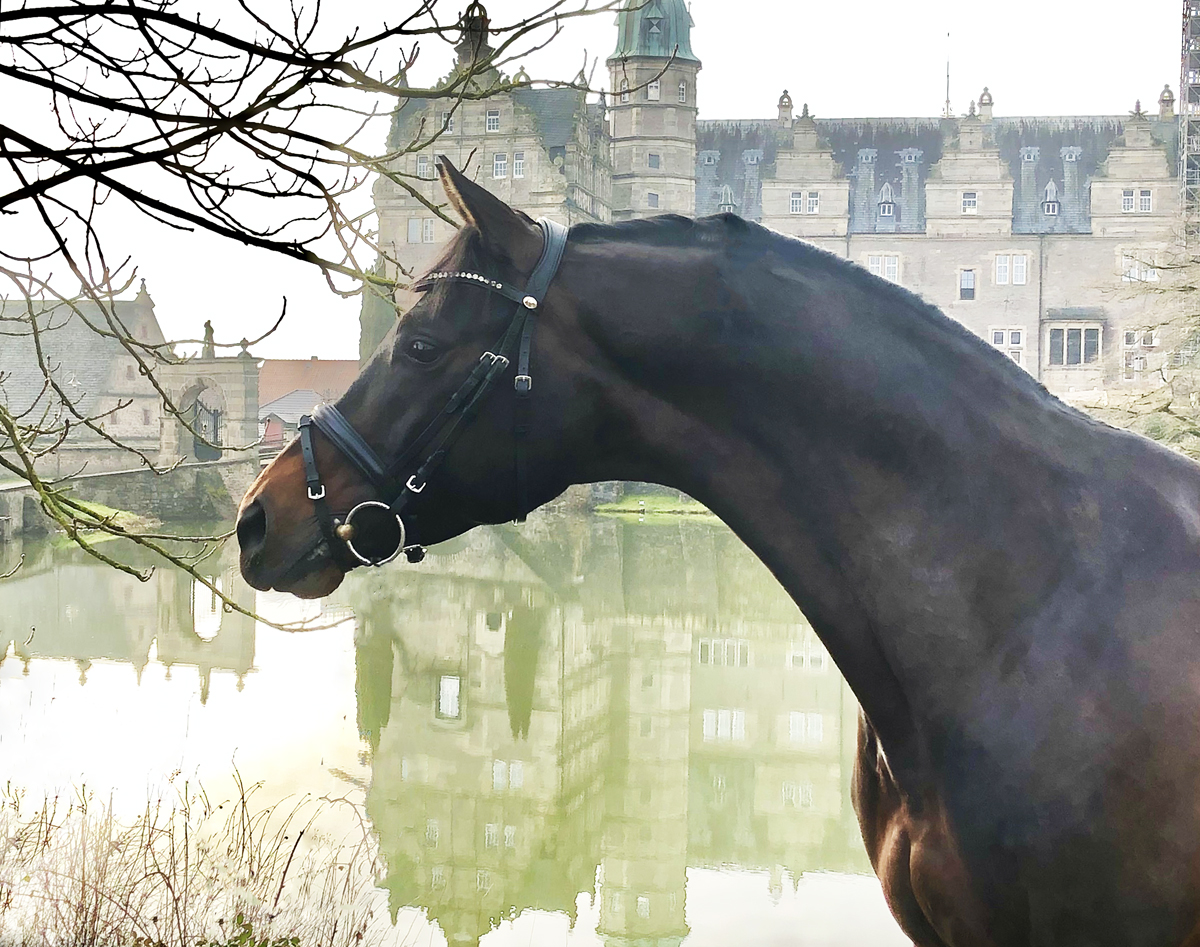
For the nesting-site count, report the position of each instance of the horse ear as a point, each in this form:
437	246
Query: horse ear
504	229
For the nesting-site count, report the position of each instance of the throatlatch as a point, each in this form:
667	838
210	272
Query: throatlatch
374	532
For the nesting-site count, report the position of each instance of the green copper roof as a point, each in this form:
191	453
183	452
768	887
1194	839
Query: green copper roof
654	28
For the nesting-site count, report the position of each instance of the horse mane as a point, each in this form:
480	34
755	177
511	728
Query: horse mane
675	231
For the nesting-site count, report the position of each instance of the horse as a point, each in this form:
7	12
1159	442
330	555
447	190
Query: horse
1010	587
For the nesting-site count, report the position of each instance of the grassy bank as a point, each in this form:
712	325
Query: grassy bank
654	504
188	872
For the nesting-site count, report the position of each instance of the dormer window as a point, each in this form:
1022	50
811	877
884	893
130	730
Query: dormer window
910	158
887	205
1050	203
653	90
710	159
654	25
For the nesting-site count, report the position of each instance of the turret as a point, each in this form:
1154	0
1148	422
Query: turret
652	76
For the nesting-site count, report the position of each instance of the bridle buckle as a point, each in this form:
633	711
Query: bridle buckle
411	486
523	384
314	496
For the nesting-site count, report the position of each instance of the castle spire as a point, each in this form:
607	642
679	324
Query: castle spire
659	28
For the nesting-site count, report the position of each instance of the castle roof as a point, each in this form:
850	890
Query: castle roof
80	360
659	28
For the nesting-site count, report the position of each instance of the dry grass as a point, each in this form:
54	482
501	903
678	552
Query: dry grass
188	872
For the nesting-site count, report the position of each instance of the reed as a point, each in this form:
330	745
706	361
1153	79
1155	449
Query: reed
187	871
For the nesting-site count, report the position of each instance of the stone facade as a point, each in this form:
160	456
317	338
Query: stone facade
1046	236
97	374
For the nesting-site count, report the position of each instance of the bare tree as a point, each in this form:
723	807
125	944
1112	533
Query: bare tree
253	127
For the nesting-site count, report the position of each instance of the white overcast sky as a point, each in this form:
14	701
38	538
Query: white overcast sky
868	58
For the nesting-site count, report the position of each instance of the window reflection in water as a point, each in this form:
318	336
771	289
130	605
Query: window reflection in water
632	701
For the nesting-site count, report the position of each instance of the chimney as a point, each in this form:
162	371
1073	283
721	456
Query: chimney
1028	200
1072	203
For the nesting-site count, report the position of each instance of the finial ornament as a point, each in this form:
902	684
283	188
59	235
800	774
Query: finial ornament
804	111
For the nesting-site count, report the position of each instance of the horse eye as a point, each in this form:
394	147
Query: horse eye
422	351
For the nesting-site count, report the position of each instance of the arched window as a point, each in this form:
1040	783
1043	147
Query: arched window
683	91
624	91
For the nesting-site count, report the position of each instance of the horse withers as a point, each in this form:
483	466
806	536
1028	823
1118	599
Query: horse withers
1009	587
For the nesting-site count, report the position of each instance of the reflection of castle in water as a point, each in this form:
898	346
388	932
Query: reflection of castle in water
63	604
605	700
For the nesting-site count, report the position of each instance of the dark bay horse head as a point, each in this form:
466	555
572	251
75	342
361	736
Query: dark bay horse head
417	369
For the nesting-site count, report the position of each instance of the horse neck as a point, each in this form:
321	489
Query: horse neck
850	451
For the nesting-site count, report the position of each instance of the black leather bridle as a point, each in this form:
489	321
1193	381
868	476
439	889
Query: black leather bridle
374	532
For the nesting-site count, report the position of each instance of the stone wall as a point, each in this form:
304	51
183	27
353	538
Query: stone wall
191	492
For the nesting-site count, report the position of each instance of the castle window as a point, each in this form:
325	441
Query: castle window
427	231
624	91
431	833
886	265
1010	340
414	230
654	161
448	121
654	23
1127	201
683	92
518	164
130	371
1019	268
712	159
491	835
145	415
966	284
500	166
1073	345
492	123
1136	269
1135	364
814	202
423	167
651	199
653	89
510	836
438	876
970	202
1050	208
1145	201
797	203
1002	265
910	158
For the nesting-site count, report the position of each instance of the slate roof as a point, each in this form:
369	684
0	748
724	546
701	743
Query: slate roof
291	406
554	112
328	377
726	145
80	360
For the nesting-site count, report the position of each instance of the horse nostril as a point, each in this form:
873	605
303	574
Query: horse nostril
252	530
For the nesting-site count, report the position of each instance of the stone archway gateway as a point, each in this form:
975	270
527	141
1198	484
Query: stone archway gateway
218	400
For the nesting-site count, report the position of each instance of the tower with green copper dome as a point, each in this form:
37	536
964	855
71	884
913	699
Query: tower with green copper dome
652	76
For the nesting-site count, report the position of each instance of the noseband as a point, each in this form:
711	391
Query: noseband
409	474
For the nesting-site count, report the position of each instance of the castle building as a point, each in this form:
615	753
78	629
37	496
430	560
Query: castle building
1046	236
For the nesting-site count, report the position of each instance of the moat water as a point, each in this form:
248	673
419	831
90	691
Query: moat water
583	730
